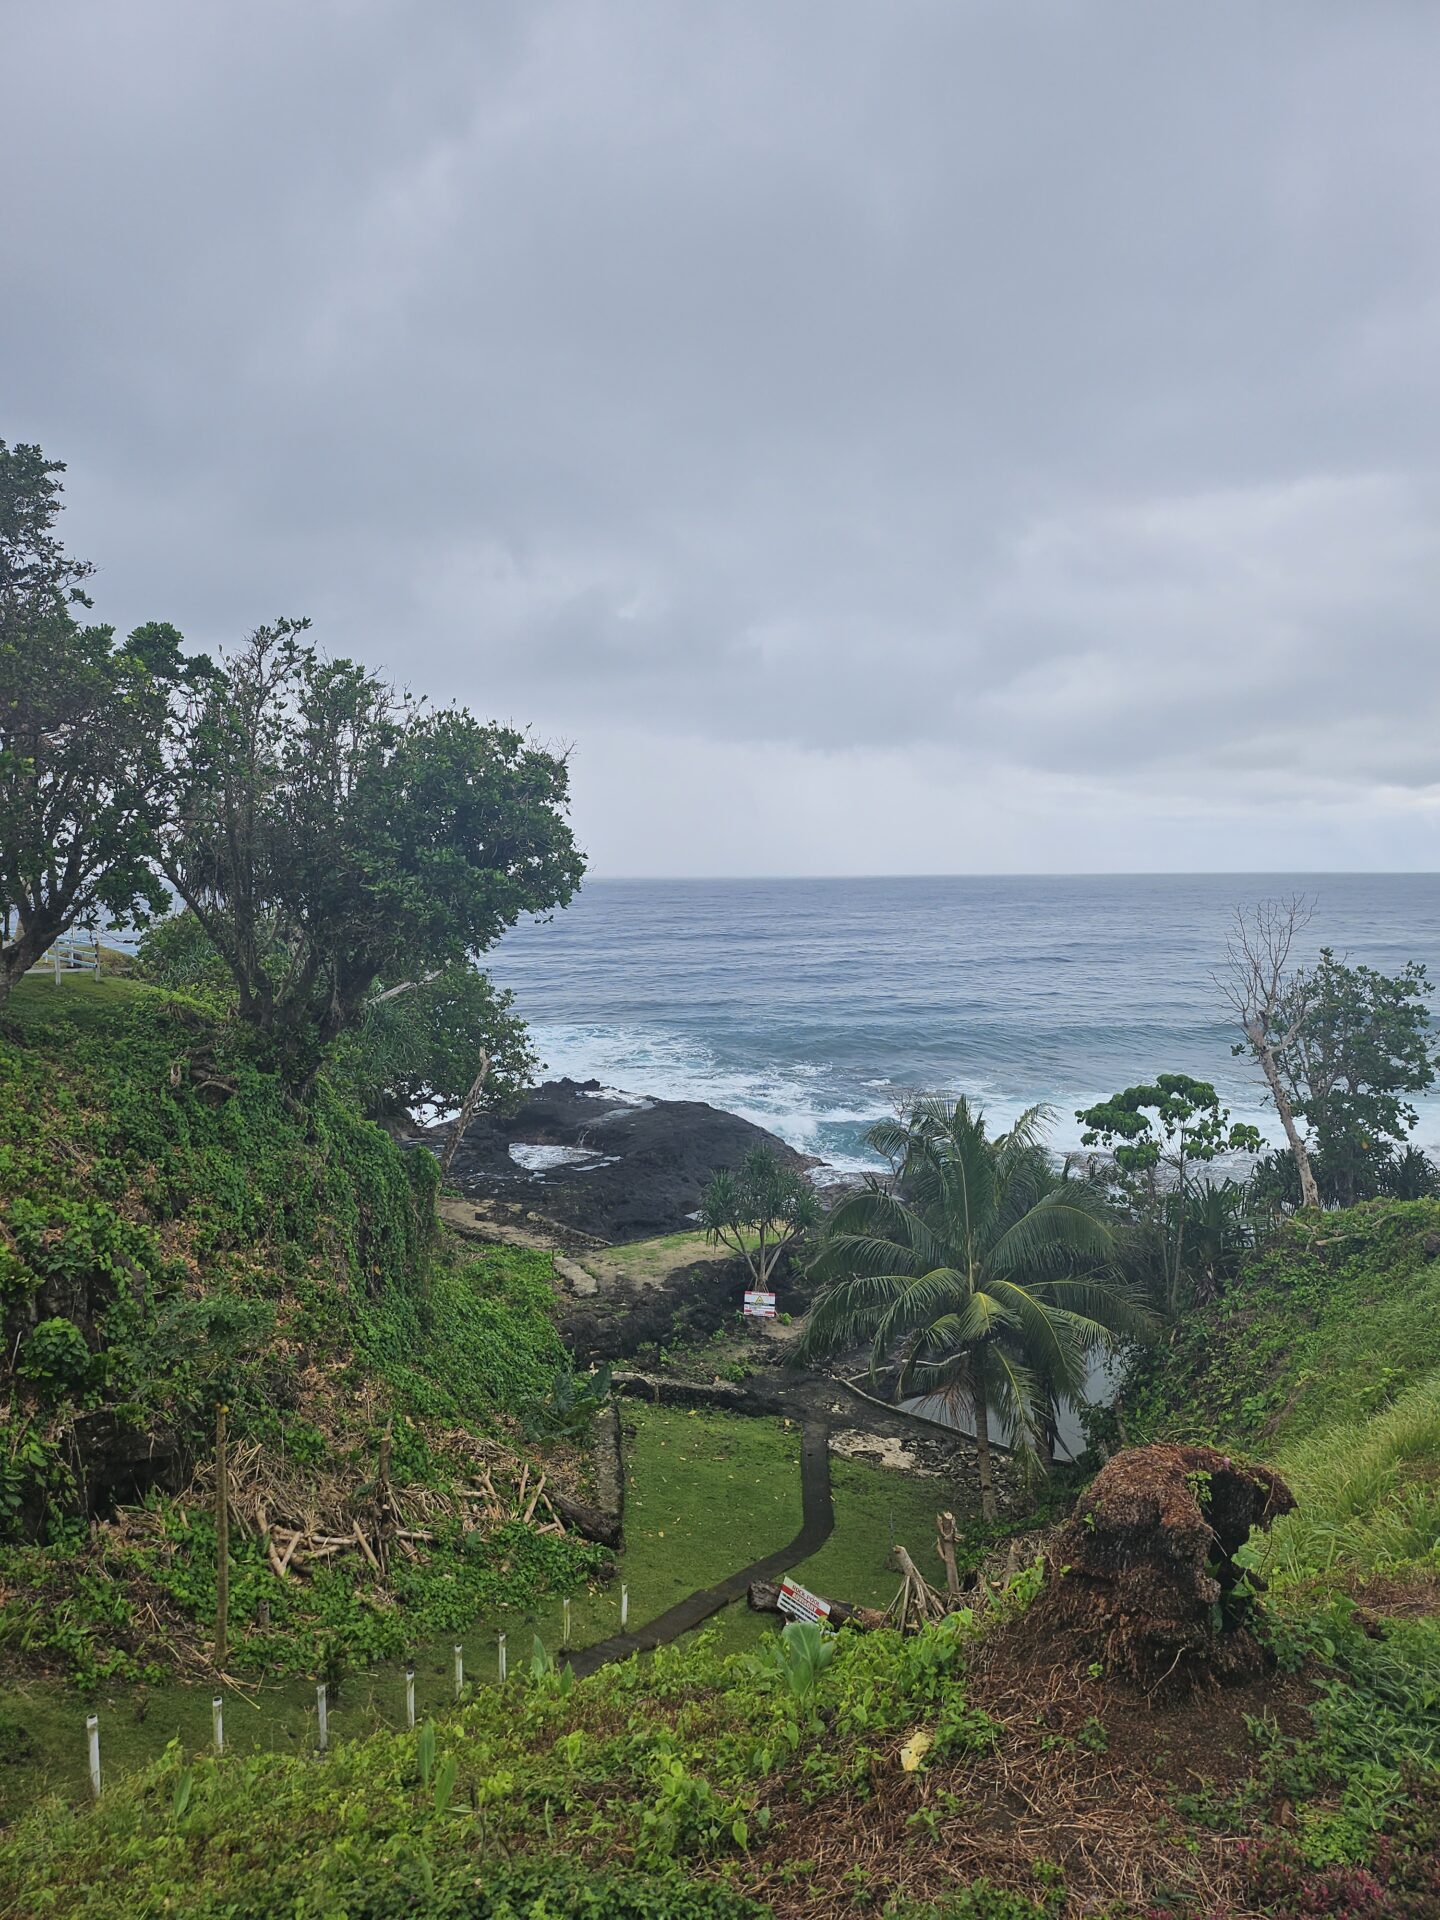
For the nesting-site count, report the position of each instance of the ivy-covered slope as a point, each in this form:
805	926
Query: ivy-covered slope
176	1234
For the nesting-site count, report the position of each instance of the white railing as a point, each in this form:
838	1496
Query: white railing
70	954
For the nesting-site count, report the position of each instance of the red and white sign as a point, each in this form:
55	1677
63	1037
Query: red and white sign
761	1306
801	1603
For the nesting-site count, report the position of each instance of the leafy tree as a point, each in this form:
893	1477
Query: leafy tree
82	721
981	1271
1173	1122
176	952
1219	1229
420	1049
328	833
1361	1044
417	1044
758	1212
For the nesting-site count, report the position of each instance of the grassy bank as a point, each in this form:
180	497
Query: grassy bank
175	1233
204	1239
1324	1357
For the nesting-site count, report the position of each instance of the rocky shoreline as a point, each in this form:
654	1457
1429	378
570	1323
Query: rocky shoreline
609	1184
612	1166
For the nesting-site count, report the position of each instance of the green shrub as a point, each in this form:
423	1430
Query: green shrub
56	1357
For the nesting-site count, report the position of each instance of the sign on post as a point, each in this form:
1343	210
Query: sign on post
800	1603
759	1306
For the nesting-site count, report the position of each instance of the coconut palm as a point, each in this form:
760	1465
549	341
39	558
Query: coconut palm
981	1271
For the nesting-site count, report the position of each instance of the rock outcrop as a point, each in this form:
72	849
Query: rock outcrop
611	1165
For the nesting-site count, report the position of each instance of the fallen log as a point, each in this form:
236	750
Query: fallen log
765	1598
593	1522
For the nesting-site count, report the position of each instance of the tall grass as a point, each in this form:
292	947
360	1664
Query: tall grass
1368	1492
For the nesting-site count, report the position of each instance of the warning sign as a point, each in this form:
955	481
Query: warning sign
801	1603
761	1306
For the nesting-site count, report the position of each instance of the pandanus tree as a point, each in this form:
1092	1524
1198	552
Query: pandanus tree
981	1271
760	1212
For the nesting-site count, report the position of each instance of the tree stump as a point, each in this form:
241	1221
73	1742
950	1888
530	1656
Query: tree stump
1144	1571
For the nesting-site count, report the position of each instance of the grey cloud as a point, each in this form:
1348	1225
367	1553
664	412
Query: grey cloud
1005	388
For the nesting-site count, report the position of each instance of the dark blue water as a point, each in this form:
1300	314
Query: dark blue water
812	1006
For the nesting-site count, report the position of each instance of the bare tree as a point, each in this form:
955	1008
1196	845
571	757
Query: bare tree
1270	1003
466	1113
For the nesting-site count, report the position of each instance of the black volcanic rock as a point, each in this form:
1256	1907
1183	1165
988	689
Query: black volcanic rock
607	1164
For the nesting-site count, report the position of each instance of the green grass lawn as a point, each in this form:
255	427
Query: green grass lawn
80	1000
876	1509
705	1493
653	1259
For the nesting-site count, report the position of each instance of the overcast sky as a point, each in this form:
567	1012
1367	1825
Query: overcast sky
893	437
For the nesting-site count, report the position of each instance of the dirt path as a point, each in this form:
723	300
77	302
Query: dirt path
816	1525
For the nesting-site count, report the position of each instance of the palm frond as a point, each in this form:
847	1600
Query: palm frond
1058	1228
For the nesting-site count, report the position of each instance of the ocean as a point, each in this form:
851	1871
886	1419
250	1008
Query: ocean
815	1006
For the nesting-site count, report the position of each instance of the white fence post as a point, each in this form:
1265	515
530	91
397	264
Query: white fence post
624	1606
92	1731
217	1721
500	1656
410	1695
322	1711
459	1669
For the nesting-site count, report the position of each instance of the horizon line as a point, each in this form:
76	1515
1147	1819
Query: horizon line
1039	873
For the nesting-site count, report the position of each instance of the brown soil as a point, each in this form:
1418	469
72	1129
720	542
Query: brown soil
1412	1593
1086	1777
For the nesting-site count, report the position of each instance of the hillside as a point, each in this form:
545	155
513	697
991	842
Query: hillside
1324	1357
175	1235
980	1770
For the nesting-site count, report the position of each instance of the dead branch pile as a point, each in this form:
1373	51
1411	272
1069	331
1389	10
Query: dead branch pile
303	1518
917	1603
1144	1572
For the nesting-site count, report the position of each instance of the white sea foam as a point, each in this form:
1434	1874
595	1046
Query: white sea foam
800	1101
789	1101
545	1159
814	1008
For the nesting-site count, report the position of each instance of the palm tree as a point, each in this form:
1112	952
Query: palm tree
984	1273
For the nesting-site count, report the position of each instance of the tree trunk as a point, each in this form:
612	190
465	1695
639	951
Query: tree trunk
466	1113
945	1547
1309	1192
28	949
594	1522
1179	1252
988	1508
